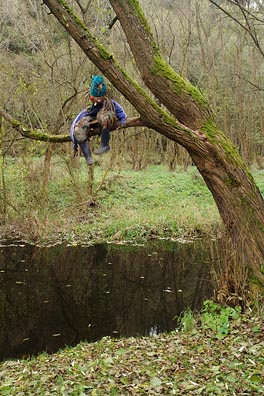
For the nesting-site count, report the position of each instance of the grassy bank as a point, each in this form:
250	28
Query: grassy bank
111	205
214	354
123	205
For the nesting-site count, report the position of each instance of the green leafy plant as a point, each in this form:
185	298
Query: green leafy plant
187	322
217	318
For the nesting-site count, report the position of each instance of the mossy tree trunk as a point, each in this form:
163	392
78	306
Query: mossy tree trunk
188	122
238	199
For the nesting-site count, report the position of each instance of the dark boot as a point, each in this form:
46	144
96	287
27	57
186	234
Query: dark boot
85	147
104	146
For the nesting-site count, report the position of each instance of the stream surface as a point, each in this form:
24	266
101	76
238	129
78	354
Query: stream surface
52	297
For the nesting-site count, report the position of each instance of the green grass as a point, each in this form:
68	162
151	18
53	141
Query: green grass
128	205
259	179
125	205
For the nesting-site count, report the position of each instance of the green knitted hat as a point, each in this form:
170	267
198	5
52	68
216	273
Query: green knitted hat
97	87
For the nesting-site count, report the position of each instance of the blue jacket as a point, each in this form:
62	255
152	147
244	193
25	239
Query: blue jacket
92	112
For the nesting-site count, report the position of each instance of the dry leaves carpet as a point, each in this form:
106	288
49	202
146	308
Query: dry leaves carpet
179	363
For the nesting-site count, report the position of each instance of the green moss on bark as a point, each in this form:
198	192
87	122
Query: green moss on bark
232	182
217	137
161	68
140	14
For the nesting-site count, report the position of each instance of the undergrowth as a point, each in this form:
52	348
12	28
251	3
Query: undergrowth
120	205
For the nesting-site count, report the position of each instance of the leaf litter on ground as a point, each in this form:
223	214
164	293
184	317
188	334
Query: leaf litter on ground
178	363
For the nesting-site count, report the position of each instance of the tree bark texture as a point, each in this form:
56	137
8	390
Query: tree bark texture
188	121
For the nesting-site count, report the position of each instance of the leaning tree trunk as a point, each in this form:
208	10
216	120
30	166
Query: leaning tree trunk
188	122
238	199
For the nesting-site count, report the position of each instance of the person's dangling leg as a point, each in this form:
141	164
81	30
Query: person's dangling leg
104	146
85	147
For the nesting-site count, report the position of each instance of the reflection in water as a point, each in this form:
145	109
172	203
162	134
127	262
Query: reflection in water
57	296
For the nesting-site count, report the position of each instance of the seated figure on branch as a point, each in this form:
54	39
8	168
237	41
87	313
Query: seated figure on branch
104	114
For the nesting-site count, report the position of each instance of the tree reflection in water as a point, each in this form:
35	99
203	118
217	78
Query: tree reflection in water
57	296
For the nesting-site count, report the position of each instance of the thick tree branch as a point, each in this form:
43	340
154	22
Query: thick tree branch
185	101
151	114
46	137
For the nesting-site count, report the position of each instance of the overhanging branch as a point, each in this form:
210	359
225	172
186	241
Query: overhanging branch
43	136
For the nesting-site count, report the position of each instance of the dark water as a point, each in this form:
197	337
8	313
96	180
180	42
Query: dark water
57	296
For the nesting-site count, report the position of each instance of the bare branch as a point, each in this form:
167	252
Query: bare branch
248	28
250	82
110	26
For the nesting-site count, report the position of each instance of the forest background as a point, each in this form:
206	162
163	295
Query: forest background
44	75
